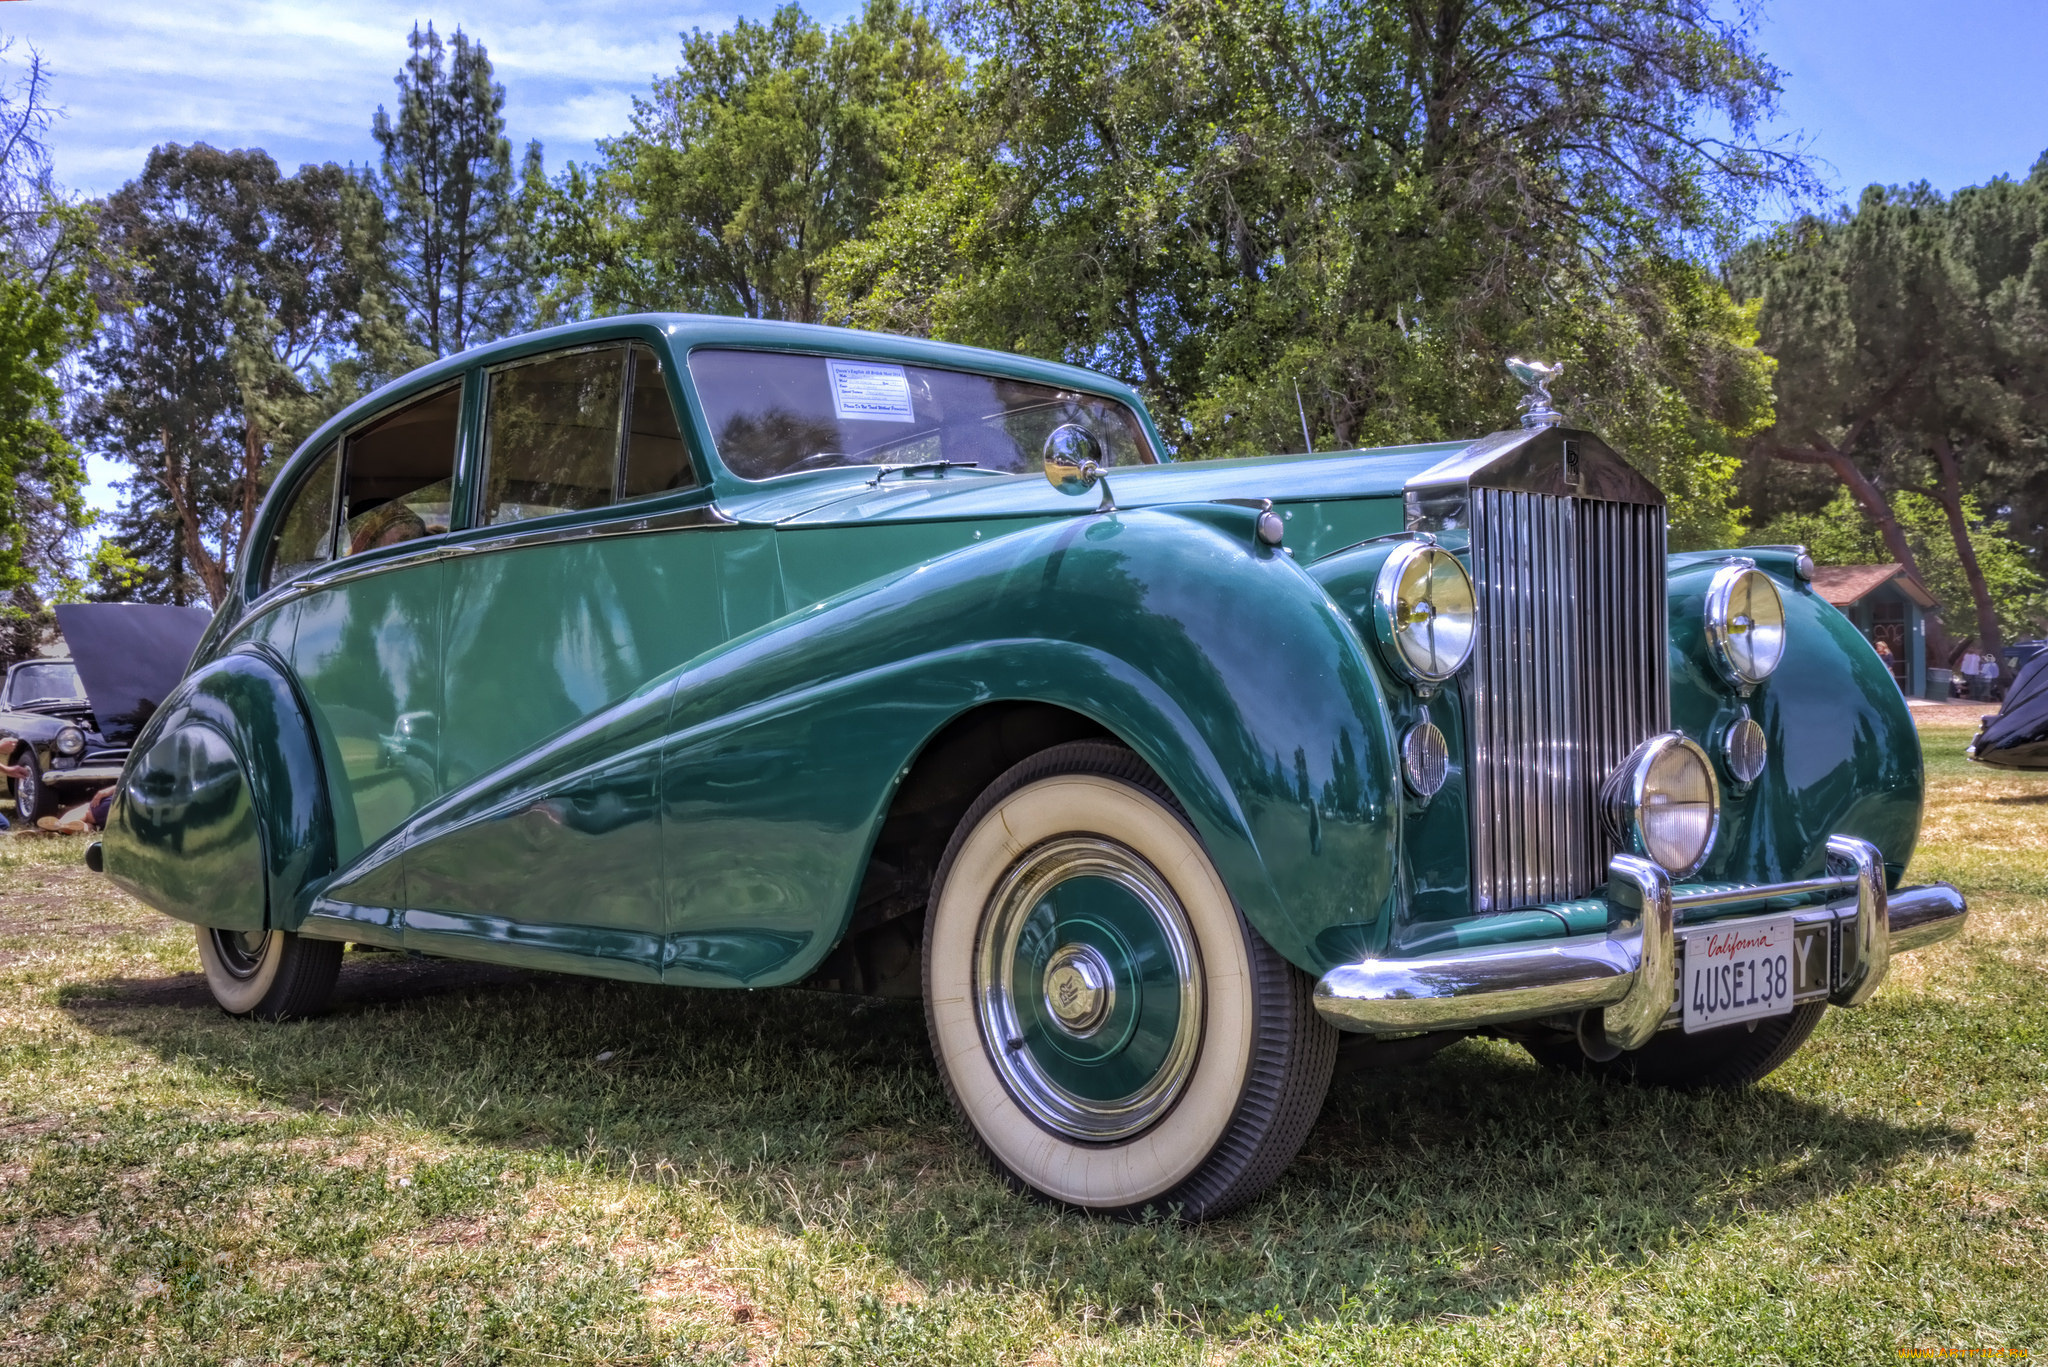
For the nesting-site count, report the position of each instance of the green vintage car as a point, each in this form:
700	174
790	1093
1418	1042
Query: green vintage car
725	653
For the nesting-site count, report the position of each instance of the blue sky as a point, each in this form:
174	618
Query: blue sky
1881	90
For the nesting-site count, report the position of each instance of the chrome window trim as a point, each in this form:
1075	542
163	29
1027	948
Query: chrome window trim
700	516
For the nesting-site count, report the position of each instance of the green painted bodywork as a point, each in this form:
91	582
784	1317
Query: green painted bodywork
658	741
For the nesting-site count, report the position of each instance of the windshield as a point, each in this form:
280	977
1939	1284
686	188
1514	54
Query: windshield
775	414
31	683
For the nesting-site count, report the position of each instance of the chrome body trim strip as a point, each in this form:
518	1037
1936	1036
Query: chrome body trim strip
470	542
1629	971
84	773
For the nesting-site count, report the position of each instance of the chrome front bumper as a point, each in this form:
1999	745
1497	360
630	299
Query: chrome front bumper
1629	972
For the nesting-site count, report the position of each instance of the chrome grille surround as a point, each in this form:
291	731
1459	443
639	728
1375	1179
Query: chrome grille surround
1569	671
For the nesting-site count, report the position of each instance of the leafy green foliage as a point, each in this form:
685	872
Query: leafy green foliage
242	308
47	312
1910	339
1840	534
457	249
1253	209
770	146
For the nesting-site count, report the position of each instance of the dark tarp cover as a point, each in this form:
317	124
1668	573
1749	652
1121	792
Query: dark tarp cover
2017	738
129	657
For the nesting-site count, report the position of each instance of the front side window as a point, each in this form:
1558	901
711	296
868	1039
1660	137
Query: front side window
552	434
399	477
776	414
305	534
657	462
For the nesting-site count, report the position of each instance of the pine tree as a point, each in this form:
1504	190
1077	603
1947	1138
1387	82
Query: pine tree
454	238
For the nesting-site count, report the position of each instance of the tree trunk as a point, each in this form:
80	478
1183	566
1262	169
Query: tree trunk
1952	503
180	493
1867	495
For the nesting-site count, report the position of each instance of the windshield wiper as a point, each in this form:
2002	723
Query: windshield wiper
940	465
38	702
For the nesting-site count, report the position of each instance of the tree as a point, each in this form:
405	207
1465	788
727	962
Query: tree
771	146
241	311
46	313
1908	361
1222	200
1840	534
458	257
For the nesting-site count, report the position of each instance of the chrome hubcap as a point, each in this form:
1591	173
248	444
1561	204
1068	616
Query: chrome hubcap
1088	989
240	951
1079	991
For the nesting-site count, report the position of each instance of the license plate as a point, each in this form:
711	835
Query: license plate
1737	973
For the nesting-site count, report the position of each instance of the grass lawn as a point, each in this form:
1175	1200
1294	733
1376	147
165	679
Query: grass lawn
477	1165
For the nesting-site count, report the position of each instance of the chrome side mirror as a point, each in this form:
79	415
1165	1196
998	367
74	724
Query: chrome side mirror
1073	459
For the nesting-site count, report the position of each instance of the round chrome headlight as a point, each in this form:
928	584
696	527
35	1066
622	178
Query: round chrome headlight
1423	612
69	741
1664	803
1745	624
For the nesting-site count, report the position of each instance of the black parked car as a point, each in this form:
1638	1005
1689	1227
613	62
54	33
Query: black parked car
47	725
70	722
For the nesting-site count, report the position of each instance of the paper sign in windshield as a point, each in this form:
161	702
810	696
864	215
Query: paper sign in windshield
866	392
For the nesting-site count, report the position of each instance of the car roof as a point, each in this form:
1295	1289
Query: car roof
686	331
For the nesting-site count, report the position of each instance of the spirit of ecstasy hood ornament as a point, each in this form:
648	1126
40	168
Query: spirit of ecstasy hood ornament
1536	377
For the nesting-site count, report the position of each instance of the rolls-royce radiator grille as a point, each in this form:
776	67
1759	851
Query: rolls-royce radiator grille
1568	675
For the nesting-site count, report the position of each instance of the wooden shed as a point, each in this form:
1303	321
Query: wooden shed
1887	604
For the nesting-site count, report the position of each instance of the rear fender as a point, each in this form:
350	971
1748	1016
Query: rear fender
222	816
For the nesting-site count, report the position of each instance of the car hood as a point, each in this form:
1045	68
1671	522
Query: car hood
2017	737
129	656
837	497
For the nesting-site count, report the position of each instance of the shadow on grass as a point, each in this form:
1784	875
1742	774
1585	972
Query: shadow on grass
1447	1188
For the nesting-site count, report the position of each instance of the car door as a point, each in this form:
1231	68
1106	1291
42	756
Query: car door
366	645
590	571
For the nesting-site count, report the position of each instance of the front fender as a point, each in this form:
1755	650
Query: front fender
221	815
1844	753
1217	659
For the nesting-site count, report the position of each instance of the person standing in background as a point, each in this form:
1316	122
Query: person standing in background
1970	667
1987	676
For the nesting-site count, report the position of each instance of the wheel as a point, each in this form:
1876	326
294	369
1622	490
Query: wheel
268	974
1112	1031
33	798
1732	1056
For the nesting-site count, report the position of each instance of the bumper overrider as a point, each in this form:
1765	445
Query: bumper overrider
1629	972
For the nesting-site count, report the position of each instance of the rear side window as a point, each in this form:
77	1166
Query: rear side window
552	434
776	414
305	534
399	474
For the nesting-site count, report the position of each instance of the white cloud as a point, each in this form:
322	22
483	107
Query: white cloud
302	80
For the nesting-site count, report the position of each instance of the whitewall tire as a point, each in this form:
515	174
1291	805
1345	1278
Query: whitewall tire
1114	1033
268	974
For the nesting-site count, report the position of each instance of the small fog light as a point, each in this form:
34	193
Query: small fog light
1425	759
1745	749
